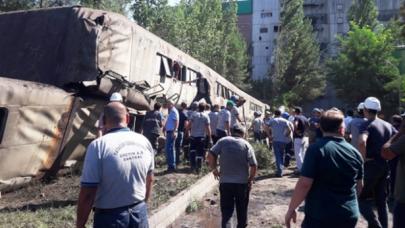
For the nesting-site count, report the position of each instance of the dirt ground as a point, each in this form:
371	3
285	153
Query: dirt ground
269	201
64	191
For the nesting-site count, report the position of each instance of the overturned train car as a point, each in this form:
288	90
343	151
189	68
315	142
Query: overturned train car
58	67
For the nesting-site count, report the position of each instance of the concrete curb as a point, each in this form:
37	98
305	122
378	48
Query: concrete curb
170	211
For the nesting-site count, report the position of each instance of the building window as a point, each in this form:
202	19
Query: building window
3	121
267	14
275	28
340	20
264	30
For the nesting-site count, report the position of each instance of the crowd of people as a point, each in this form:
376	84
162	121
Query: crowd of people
346	164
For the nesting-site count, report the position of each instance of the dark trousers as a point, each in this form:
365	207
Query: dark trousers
310	222
288	154
393	173
197	152
200	96
234	195
214	139
153	139
177	146
220	134
258	136
136	217
375	191
399	215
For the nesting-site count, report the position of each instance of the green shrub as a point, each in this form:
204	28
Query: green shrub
264	156
194	206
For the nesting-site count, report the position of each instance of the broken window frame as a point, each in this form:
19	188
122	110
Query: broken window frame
3	121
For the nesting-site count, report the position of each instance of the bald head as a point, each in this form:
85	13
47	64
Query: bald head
115	114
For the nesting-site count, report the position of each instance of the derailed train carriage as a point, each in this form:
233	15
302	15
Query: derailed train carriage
58	67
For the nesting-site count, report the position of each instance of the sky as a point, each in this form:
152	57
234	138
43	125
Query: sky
173	2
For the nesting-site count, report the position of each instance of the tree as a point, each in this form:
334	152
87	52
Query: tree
202	29
366	67
149	13
11	5
297	74
118	6
363	13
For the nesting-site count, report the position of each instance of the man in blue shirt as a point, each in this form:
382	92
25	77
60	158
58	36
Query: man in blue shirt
171	126
117	175
279	129
331	178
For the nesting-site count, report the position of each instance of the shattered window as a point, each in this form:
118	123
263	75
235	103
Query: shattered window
3	120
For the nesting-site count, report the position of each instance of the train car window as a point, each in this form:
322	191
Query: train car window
219	89
226	92
184	73
158	65
166	65
229	93
177	71
192	76
3	121
252	106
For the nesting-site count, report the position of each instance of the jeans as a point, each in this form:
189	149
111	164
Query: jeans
231	195
375	189
178	145
197	152
300	146
169	148
399	215
136	217
278	148
310	222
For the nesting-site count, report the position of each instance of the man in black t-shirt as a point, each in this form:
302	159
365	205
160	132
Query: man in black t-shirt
300	141
203	89
152	125
374	133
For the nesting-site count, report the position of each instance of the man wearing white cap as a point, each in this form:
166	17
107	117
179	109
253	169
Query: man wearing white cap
353	128
374	133
115	97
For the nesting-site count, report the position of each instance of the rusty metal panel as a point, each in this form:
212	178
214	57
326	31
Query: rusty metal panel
36	118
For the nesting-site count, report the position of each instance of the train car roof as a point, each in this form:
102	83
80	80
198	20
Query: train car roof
38	47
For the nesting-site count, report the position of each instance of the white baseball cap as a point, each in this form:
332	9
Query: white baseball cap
116	97
372	103
361	106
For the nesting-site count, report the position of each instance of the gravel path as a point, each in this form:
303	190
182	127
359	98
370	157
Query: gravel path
268	203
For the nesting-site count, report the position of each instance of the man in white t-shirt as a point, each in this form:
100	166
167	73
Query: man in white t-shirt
117	175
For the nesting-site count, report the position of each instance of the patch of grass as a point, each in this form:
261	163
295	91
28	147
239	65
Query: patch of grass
277	226
194	206
165	188
48	217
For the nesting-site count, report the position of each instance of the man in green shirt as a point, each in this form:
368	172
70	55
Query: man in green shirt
331	179
395	147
